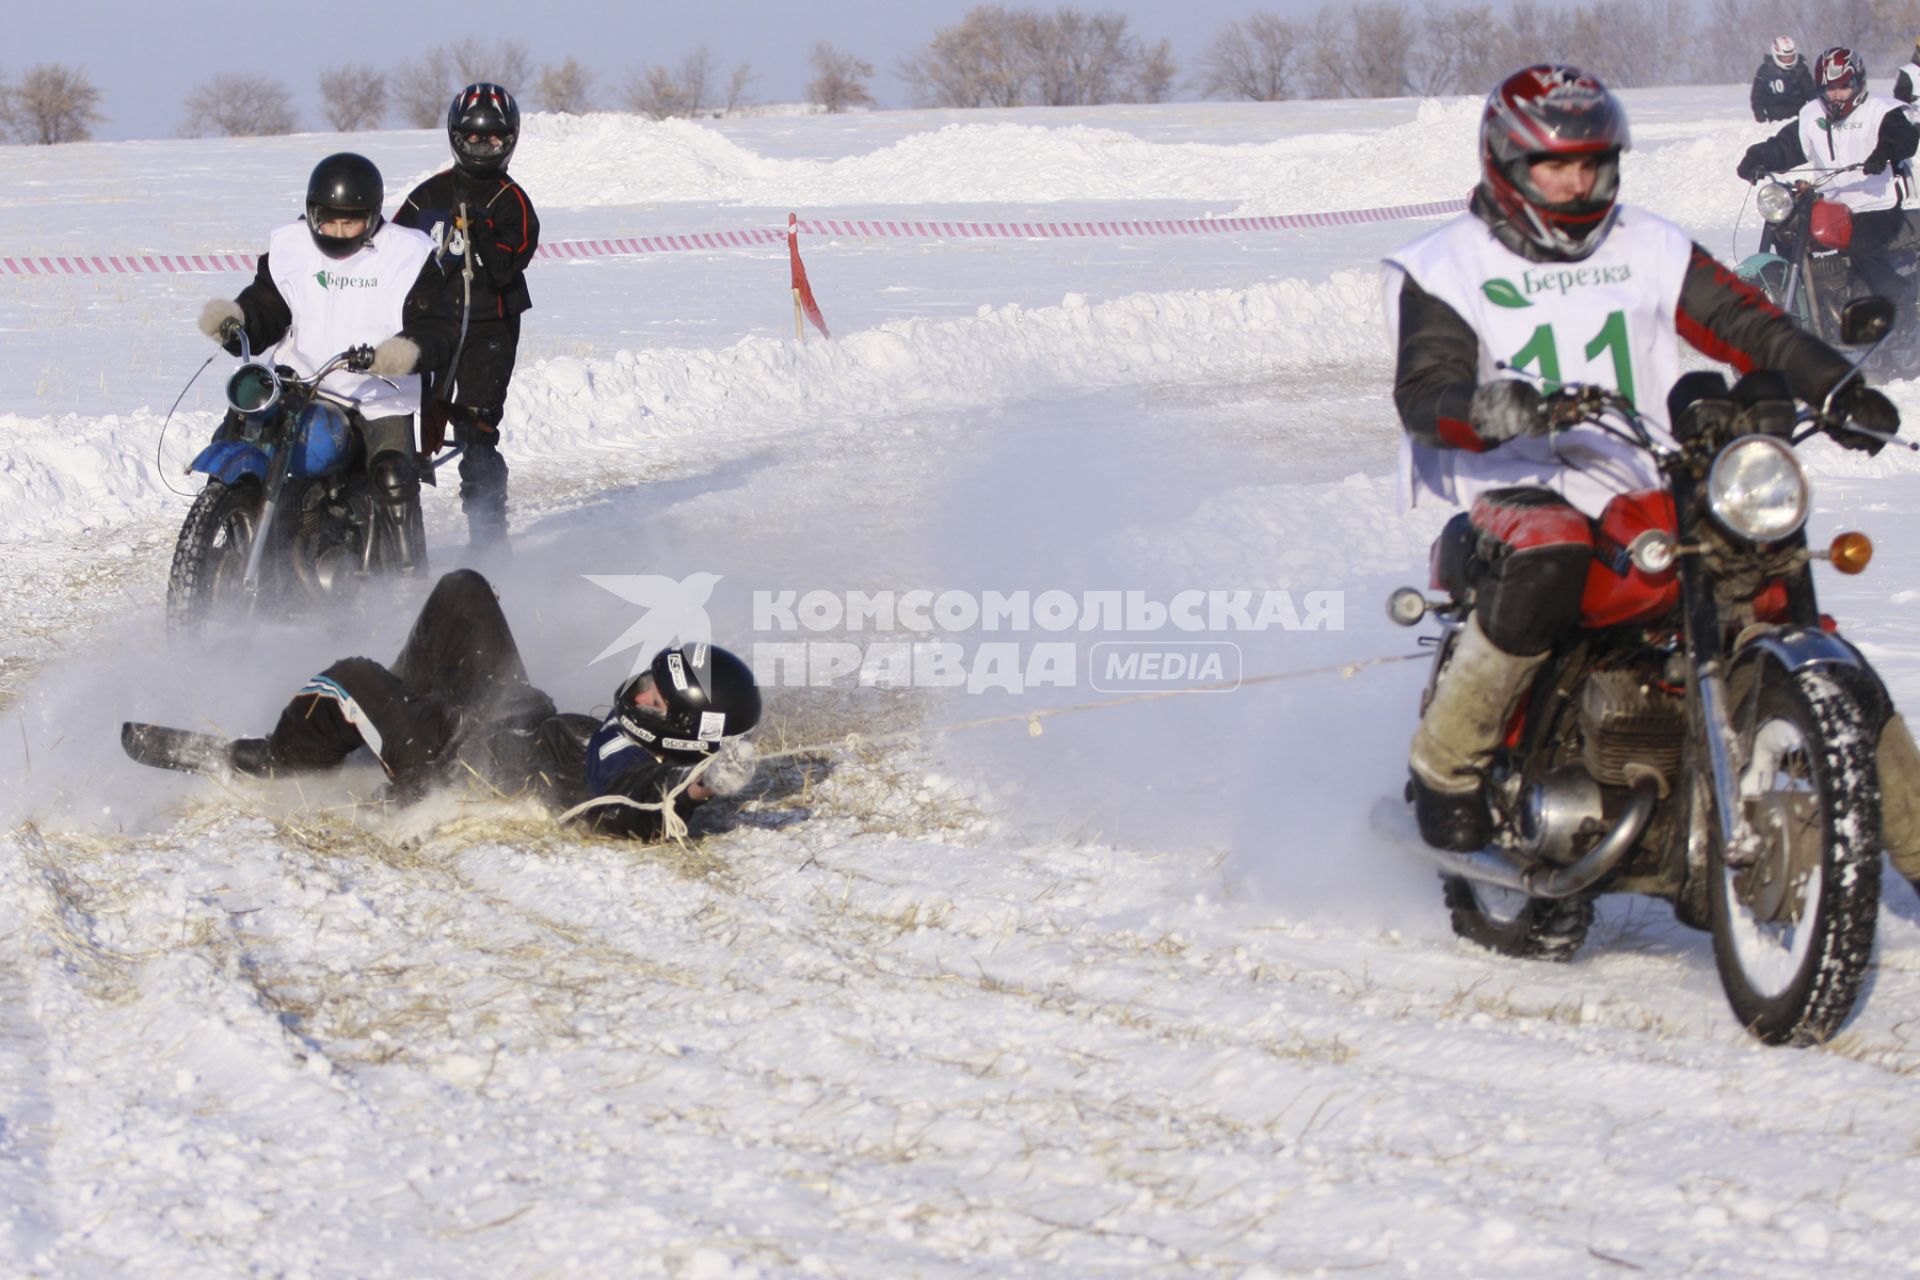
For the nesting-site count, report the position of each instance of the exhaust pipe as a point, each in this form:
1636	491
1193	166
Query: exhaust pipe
1487	867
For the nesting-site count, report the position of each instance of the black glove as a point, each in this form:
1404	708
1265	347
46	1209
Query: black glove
1750	169
360	358
1876	161
1504	409
1860	403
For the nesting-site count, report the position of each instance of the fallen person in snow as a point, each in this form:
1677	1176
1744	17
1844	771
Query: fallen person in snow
457	704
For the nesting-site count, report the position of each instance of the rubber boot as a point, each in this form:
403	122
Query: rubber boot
250	757
483	489
1899	761
1452	747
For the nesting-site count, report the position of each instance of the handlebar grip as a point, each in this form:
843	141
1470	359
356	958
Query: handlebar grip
230	329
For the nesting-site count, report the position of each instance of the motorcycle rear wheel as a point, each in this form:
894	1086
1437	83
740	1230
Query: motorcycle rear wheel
1515	925
1793	933
210	556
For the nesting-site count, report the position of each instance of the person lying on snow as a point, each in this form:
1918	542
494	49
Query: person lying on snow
457	705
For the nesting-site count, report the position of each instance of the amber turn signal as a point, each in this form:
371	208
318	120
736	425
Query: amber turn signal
1851	552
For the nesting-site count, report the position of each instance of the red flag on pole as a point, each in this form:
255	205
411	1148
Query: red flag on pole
802	291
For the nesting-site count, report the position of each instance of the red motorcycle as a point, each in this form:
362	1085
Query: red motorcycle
1706	737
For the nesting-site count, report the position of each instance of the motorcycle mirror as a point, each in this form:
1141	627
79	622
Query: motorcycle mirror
1866	320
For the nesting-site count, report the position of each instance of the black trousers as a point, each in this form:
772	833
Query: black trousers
478	401
458	691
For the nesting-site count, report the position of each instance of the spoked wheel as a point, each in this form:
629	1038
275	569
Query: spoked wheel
210	556
1793	920
1513	924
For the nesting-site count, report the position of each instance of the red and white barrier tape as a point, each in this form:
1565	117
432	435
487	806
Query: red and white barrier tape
751	237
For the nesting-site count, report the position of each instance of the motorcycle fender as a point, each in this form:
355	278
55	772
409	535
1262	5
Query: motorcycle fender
1797	648
1793	649
1751	266
229	460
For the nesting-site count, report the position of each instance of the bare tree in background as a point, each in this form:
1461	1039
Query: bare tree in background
567	87
51	104
838	79
1630	43
736	95
1252	59
978	62
238	105
1153	73
1077	59
353	98
997	57
423	88
687	90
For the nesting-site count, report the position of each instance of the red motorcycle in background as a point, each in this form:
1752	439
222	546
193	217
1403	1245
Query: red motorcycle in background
1706	737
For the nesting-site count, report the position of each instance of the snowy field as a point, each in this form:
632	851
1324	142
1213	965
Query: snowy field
1143	994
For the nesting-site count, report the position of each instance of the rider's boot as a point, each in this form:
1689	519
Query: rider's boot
1899	761
1452	747
483	488
395	479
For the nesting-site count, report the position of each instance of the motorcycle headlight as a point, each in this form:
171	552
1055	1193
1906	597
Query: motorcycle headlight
253	388
1774	202
1757	490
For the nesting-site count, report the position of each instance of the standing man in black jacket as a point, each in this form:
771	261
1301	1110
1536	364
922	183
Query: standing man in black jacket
487	231
1783	84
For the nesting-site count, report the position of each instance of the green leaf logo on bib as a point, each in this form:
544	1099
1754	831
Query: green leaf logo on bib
1501	293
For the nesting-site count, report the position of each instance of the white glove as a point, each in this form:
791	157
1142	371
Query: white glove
396	357
732	768
217	315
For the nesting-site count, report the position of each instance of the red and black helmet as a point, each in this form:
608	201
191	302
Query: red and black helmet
1840	68
483	124
1549	112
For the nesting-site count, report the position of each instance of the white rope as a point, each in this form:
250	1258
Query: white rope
672	825
1346	671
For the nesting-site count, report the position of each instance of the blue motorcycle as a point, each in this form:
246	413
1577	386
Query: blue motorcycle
287	517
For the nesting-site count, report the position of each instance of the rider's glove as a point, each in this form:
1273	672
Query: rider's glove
1876	161
360	358
1504	409
732	768
396	357
1750	168
222	320
1858	402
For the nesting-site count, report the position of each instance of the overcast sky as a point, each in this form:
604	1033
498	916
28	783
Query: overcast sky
145	55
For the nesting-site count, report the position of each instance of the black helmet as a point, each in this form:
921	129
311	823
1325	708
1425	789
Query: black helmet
482	125
709	694
344	183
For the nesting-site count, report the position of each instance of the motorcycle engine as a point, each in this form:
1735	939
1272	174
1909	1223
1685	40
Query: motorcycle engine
1628	725
1627	729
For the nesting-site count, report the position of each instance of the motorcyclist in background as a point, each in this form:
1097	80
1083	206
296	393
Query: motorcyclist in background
1782	85
1548	276
1841	128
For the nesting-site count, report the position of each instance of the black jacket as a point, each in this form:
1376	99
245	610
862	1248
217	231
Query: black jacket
1777	94
1438	363
505	232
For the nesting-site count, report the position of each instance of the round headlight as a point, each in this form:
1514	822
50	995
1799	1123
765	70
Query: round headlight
1774	202
253	388
1757	489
